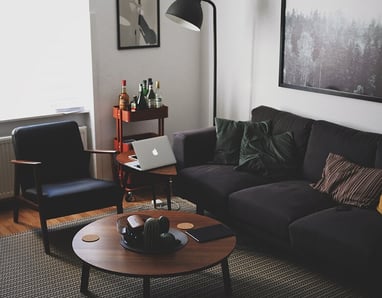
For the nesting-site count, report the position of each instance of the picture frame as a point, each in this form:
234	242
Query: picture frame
332	47
138	24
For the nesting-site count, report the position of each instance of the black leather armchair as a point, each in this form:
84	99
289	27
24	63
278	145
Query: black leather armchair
52	174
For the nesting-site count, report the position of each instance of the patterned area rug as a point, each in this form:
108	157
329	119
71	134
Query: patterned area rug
26	271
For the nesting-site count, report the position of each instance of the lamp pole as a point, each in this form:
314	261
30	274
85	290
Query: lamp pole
188	13
214	104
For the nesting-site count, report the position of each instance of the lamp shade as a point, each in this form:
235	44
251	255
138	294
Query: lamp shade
187	13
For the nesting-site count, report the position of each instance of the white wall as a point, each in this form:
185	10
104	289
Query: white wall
249	44
236	26
44	58
175	63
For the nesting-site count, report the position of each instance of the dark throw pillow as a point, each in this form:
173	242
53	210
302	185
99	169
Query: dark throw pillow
349	183
267	155
228	138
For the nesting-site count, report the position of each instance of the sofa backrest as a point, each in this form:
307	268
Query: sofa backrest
356	146
57	145
284	121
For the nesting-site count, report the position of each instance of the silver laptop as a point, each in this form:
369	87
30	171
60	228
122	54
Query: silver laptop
152	153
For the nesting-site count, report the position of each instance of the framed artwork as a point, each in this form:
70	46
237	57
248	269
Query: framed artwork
332	47
138	24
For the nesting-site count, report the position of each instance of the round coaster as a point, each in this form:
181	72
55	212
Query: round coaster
90	238
185	226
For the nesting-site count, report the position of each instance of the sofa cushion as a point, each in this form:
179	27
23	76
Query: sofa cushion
349	183
351	239
228	138
359	147
271	156
284	121
272	207
209	185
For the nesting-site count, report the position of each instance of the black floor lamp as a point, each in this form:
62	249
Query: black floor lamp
189	14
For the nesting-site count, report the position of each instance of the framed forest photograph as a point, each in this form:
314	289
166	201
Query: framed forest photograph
332	47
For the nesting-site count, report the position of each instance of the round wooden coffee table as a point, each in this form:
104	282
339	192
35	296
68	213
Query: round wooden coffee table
107	254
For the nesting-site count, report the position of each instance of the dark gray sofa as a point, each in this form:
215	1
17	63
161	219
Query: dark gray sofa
289	212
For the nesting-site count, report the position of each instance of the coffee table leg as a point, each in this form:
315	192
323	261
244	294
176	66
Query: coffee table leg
85	277
169	193
146	287
154	197
226	278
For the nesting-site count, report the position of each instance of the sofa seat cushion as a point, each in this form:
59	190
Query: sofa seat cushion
350	239
209	185
63	198
271	208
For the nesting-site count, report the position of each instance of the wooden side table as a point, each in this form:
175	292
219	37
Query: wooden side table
167	172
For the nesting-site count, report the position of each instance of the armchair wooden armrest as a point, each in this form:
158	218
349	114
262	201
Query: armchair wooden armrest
36	165
102	151
113	154
25	162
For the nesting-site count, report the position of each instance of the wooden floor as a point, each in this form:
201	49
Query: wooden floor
29	219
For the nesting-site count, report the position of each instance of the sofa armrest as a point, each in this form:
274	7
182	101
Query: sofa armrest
193	147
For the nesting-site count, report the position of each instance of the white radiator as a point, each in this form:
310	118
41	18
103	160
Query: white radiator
6	168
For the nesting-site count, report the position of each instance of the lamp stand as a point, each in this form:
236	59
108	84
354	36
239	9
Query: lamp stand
214	102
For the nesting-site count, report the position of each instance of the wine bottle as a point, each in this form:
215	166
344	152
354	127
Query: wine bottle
145	87
150	81
141	102
123	97
151	97
158	96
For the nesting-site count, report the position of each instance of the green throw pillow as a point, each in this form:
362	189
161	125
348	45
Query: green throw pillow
270	156
228	138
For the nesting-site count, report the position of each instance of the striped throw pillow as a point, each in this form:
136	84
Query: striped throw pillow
349	183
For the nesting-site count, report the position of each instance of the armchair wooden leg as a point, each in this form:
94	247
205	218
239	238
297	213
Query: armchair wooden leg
16	208
119	208
45	236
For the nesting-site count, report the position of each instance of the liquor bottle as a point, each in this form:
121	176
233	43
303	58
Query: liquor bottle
158	96
123	97
151	97
133	104
141	102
